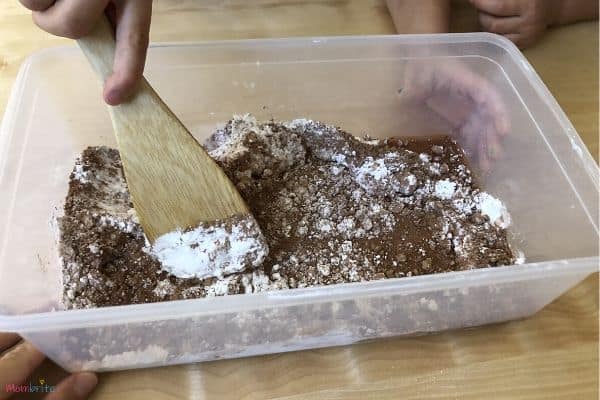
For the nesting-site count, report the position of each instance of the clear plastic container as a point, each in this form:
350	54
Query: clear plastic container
547	179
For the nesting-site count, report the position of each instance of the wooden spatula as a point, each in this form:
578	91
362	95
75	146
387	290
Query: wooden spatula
173	182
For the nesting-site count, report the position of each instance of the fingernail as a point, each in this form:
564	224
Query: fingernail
85	382
112	97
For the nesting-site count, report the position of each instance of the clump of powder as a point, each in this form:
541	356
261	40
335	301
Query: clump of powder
212	249
445	189
494	209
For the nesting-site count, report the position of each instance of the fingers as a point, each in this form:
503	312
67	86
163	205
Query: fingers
70	18
470	103
500	8
500	25
513	28
524	40
132	36
7	340
37	5
487	101
75	387
17	364
488	124
415	82
76	18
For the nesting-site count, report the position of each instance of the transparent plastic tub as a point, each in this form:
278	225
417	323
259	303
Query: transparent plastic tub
547	179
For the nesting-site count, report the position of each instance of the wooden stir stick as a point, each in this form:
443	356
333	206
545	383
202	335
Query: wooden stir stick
172	180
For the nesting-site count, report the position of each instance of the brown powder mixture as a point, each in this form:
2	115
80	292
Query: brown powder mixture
333	209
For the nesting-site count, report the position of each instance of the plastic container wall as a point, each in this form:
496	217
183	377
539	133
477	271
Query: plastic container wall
547	179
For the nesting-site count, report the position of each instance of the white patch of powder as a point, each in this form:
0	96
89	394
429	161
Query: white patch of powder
486	204
150	355
79	173
260	282
93	248
297	123
240	126
163	288
212	251
431	304
494	209
369	141
220	287
340	159
371	170
124	224
335	170
445	189
520	258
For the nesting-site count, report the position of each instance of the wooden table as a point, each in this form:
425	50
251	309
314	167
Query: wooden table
553	354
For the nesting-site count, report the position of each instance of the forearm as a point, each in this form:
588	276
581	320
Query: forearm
420	16
571	11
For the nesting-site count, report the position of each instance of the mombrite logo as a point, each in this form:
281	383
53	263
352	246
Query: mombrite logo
32	387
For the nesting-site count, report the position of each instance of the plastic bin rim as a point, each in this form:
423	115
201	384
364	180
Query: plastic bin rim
136	313
428	38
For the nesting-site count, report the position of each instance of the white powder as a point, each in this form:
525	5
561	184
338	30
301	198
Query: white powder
431	304
494	209
234	144
124	224
371	170
486	204
163	288
212	251
411	180
151	355
445	189
260	282
297	123
424	157
79	173
324	225
435	168
520	258
340	159
335	170
346	225
220	287
369	141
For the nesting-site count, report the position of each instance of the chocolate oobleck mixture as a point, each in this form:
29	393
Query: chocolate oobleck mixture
332	208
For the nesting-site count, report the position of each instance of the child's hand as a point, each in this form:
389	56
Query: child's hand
76	18
522	21
18	360
468	102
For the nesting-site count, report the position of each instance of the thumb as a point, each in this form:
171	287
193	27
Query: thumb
75	387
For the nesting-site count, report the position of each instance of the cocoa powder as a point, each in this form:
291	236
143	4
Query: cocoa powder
332	208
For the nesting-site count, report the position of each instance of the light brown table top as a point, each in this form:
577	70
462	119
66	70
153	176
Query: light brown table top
553	354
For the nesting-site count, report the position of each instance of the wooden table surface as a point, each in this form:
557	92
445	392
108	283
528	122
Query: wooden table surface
553	354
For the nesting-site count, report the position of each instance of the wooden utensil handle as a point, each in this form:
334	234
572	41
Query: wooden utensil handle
99	48
173	182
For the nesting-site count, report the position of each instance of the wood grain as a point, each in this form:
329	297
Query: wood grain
552	355
174	183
